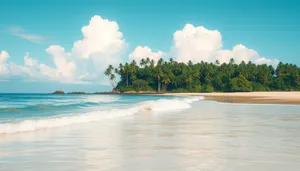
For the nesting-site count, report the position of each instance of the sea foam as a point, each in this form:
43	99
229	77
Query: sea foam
160	105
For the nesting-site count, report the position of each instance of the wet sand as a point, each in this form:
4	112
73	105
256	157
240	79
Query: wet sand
209	136
249	97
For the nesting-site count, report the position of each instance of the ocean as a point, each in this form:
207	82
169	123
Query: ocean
130	132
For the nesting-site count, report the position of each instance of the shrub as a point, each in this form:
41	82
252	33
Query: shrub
139	84
258	87
240	84
208	88
179	90
195	88
125	89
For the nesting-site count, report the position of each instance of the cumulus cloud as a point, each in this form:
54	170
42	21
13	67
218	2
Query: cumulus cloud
241	53
145	52
102	44
65	67
3	57
196	43
28	61
10	69
201	44
30	37
32	70
263	60
3	65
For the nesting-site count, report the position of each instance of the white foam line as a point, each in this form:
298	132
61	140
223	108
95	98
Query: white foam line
155	105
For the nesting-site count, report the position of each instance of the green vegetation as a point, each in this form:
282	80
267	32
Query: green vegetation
178	77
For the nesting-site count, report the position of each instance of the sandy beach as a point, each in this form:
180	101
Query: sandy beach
249	97
120	133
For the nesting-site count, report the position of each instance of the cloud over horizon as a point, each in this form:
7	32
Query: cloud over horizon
145	52
103	43
200	44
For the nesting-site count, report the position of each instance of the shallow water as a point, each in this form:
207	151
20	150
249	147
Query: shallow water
190	135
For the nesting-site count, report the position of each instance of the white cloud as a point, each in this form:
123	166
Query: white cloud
263	60
102	41
241	53
31	37
11	69
103	44
28	61
3	65
64	66
198	43
145	52
3	57
33	71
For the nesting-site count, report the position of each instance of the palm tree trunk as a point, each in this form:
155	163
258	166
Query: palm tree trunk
164	87
127	79
158	85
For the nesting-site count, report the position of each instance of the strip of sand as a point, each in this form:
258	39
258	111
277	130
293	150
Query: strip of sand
249	97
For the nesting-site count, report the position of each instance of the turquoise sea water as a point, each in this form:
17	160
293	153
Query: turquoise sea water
29	112
112	132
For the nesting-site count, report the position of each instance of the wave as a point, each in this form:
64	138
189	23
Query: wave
57	103
160	105
101	98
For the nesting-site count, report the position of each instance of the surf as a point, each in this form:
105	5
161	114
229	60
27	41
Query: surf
160	105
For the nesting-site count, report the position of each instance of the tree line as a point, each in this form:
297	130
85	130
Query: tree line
172	76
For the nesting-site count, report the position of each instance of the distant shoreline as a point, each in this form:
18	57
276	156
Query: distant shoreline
228	97
60	92
249	97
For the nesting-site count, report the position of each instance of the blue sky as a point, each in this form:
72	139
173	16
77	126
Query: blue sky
260	27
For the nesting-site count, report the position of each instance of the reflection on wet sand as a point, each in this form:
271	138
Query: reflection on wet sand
209	136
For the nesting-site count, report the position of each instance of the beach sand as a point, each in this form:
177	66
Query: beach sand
249	97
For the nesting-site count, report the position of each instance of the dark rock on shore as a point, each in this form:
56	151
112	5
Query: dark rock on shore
110	92
78	92
59	92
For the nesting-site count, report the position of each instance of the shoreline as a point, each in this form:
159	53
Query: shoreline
248	97
271	97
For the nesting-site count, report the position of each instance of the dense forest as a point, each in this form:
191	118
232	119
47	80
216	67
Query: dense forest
172	76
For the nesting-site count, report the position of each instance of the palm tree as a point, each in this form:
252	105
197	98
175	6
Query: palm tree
152	63
109	72
231	61
147	61
160	61
143	62
113	80
171	75
132	70
165	80
158	74
127	70
298	80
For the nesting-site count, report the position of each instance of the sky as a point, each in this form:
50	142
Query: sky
49	45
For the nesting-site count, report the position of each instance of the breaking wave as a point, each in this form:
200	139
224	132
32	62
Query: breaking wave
160	105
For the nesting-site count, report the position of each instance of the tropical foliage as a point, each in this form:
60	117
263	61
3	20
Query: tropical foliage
174	76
